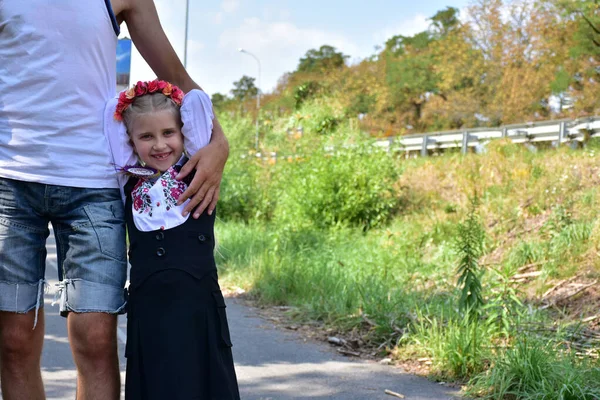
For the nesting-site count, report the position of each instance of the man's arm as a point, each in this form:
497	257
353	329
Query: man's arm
150	39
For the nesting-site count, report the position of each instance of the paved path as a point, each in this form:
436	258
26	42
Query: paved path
270	363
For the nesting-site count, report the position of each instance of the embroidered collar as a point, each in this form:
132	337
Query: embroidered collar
154	200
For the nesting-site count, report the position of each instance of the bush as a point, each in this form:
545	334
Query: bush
350	186
246	190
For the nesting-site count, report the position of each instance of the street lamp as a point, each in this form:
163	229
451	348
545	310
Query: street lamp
257	95
187	20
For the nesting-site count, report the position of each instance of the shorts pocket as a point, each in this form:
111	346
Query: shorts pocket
224	336
108	222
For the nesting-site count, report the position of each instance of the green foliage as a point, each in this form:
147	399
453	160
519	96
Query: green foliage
244	88
587	14
400	45
327	125
348	186
361	104
218	100
410	73
305	91
535	369
324	59
445	21
503	308
246	190
469	246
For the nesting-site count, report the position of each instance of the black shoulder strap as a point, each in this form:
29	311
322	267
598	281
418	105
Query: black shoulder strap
130	185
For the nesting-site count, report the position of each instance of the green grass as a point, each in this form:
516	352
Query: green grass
364	236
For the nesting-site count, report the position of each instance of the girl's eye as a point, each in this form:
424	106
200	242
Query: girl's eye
146	137
168	133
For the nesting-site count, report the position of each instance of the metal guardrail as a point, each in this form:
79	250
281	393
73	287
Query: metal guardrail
559	131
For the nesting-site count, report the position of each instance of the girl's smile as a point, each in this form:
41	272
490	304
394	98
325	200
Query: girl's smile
157	139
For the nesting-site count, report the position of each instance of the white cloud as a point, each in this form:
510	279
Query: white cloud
272	37
278	45
407	27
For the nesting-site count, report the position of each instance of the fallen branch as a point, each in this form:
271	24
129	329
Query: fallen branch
559	284
524	276
348	352
579	290
526	267
592	318
398	395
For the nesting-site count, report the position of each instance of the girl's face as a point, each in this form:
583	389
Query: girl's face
157	139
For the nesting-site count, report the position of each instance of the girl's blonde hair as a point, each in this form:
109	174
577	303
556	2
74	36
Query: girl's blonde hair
148	103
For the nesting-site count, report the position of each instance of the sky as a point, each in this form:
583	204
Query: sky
279	33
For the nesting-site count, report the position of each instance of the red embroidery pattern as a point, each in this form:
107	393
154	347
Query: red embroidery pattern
141	199
172	188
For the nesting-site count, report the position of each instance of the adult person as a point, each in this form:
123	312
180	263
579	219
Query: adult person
57	71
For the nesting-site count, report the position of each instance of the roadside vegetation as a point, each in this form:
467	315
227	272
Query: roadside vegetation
481	269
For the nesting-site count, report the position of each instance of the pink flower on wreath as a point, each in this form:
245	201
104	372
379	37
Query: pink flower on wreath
152	86
181	186
175	193
145	190
126	98
163	182
140	89
177	95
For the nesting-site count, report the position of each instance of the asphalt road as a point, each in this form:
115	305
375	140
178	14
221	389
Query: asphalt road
271	363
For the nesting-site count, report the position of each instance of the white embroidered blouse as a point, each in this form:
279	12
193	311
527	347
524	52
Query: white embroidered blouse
154	201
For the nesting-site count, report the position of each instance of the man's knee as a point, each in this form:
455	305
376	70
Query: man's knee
19	342
93	335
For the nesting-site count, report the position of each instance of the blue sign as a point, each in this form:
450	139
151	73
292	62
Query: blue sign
123	62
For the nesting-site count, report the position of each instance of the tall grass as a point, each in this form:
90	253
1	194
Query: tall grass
365	240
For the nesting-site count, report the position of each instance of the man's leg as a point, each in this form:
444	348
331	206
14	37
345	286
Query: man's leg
20	354
93	338
23	233
90	233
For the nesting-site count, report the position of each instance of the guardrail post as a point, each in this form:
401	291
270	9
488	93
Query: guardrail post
424	146
504	132
562	133
465	142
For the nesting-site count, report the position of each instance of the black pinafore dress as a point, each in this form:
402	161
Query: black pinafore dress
178	343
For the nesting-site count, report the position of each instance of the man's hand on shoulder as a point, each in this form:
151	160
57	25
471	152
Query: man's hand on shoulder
209	163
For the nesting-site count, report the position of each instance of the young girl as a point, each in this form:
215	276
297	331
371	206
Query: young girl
178	343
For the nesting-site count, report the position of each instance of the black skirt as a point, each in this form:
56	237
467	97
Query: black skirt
178	343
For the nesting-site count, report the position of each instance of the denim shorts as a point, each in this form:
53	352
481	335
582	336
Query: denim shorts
89	227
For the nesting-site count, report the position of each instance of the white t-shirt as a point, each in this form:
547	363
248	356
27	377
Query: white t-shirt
57	70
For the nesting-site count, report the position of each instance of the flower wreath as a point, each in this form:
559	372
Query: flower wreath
127	97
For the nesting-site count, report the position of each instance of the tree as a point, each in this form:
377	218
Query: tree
218	99
325	59
244	88
445	21
410	73
408	45
580	74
